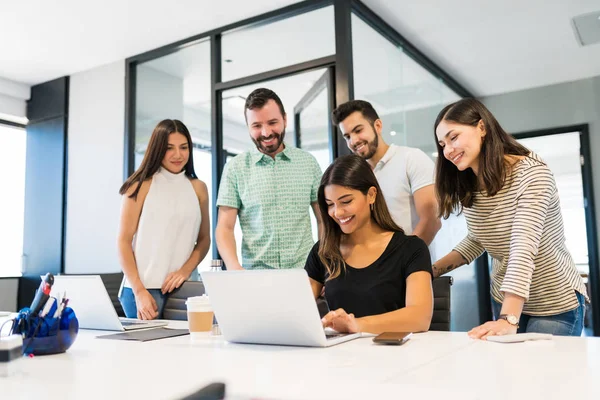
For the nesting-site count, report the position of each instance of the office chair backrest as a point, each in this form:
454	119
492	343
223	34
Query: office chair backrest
441	304
322	306
175	307
112	282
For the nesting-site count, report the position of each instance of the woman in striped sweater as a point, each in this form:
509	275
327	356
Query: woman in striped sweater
511	205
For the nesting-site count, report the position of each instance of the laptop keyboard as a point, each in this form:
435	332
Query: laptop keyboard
133	323
334	335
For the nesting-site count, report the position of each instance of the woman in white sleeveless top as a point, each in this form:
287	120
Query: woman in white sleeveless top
164	231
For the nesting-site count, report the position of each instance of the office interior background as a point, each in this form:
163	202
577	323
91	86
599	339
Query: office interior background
83	85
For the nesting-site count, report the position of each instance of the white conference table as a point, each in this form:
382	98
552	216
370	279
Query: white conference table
440	365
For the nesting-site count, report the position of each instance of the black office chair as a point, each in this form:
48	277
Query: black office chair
112	282
175	307
441	304
214	391
322	306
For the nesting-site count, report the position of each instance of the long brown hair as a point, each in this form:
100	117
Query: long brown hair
155	152
352	172
456	189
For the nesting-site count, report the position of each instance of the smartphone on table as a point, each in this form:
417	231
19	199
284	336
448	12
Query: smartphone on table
395	338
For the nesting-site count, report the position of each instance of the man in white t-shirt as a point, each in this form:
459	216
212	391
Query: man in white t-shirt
405	174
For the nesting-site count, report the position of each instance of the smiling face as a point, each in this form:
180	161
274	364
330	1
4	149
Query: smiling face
178	153
267	128
461	144
362	137
349	208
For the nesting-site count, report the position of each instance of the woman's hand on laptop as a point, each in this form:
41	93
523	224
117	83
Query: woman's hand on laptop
340	321
146	305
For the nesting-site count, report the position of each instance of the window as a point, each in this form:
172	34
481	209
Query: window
286	42
12	201
406	96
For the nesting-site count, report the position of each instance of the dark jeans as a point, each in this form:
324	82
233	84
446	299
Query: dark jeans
569	323
127	300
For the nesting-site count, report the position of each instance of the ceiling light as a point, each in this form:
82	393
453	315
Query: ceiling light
434	154
393	133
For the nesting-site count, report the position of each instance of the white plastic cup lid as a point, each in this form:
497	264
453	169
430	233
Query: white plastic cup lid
198	300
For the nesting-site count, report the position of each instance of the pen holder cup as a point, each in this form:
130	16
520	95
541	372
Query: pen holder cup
46	335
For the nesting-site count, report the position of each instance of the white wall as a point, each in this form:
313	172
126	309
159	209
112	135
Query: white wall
571	103
95	168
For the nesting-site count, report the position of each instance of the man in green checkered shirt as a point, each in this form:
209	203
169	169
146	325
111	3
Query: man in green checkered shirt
271	189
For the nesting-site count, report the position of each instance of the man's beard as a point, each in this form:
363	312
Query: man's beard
371	148
270	149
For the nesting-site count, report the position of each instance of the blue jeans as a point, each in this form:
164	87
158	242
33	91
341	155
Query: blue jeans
127	300
569	323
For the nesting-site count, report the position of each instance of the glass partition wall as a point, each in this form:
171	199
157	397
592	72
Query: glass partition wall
314	54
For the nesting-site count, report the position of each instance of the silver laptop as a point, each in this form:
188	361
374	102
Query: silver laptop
268	307
92	305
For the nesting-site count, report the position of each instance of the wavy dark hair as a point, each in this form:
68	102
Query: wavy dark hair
155	152
353	172
455	189
259	97
344	110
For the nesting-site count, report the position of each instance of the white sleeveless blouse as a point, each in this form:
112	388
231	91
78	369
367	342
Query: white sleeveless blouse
168	228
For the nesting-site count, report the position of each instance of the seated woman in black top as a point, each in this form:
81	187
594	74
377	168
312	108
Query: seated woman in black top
376	278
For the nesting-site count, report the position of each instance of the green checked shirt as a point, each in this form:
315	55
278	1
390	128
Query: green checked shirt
273	198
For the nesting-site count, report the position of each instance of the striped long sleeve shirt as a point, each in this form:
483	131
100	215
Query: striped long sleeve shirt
521	228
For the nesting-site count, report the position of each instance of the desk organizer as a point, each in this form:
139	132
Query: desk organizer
46	335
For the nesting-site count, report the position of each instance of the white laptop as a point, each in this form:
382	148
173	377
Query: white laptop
268	307
92	305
